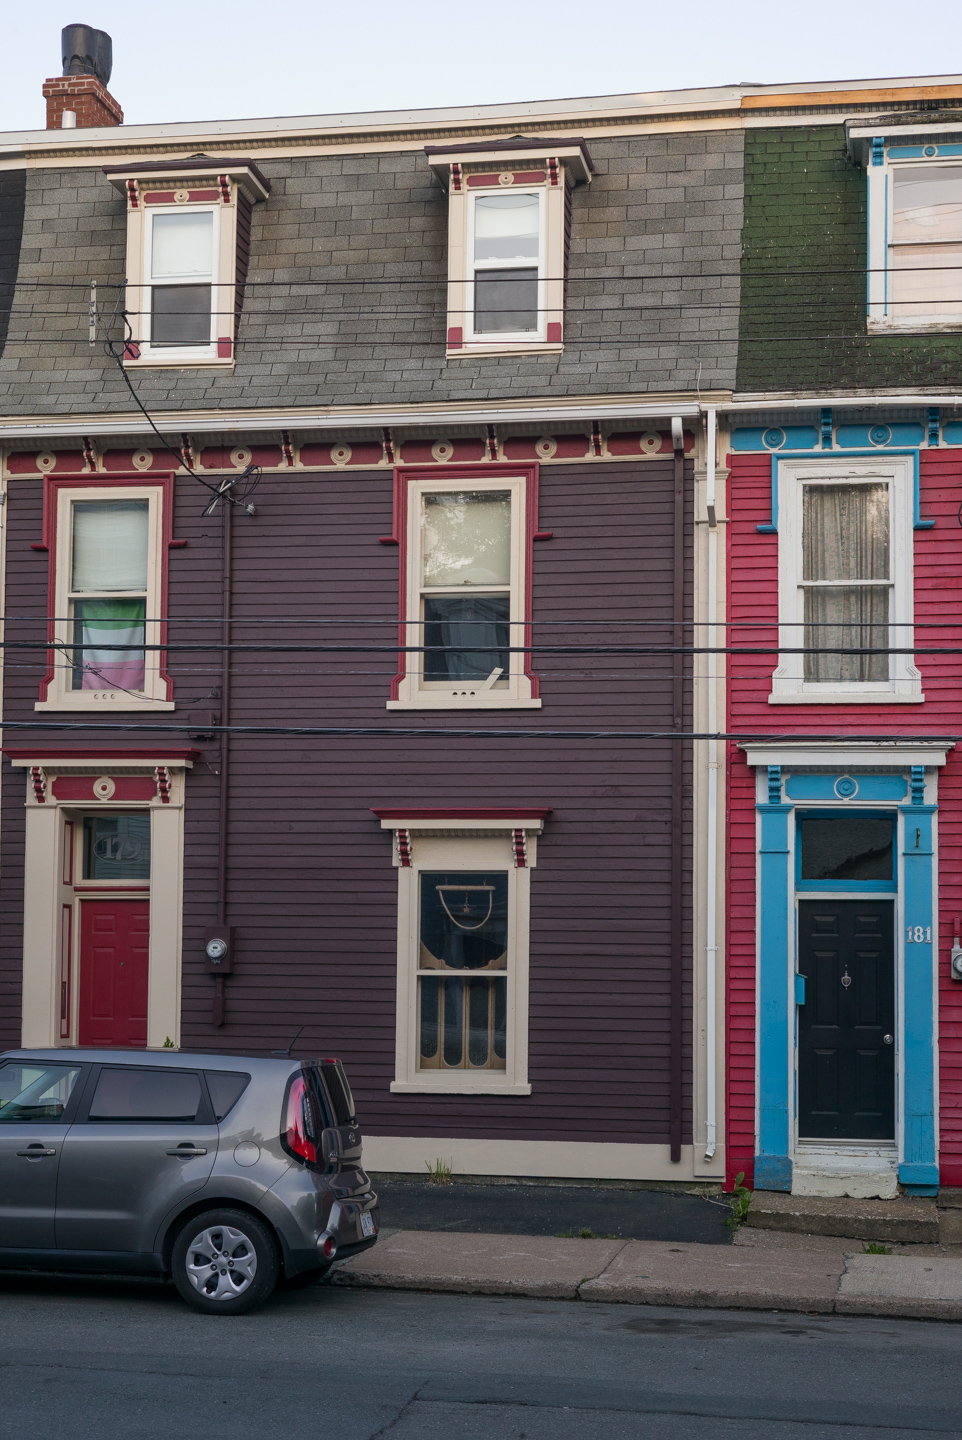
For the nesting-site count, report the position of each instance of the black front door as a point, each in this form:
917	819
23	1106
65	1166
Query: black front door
846	1027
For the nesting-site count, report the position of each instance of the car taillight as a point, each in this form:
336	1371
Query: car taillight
299	1124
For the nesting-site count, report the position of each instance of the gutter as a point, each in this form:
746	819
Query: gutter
335	420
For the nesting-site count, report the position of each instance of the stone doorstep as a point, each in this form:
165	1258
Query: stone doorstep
905	1219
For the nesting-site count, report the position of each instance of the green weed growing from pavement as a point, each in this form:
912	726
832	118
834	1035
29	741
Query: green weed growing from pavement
439	1173
739	1200
874	1247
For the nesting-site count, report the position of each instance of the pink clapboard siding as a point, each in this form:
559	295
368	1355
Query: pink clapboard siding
753	609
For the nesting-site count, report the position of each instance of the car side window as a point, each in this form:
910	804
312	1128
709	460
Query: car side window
33	1091
126	1093
225	1088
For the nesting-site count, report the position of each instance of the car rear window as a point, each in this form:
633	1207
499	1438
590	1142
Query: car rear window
225	1088
339	1091
131	1094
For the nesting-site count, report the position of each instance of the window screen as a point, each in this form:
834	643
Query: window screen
155	1094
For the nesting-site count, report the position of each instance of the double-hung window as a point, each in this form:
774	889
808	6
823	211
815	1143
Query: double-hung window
845	581
180	266
188	250
108	547
507	245
466	552
509	213
915	235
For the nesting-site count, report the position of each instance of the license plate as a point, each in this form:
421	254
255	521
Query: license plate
367	1225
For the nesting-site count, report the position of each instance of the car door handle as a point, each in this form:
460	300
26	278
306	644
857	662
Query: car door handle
186	1151
36	1153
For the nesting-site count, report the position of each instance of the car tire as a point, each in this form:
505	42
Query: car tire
225	1262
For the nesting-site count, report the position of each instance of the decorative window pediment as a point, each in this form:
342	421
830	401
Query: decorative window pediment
508	222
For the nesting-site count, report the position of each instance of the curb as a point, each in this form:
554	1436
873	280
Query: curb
596	1291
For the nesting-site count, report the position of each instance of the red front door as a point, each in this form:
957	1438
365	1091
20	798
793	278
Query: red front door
114	937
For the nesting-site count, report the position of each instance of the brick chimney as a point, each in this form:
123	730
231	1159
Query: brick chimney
79	97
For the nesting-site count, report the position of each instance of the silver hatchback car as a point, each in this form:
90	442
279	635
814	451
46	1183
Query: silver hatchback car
227	1173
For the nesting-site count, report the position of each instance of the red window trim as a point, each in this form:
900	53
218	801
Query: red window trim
460	812
458	473
52	485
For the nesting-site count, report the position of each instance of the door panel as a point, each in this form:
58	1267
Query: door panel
114	948
846	1071
117	1177
35	1101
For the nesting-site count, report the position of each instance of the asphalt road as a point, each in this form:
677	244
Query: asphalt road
110	1360
553	1210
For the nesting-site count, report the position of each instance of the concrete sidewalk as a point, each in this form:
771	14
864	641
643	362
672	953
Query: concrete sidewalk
824	1279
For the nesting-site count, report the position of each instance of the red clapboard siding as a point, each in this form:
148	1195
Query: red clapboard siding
753	599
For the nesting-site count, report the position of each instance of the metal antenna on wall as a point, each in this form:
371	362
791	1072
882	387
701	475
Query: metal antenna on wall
286	1054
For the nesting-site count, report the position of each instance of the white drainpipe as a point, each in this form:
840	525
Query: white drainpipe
711	888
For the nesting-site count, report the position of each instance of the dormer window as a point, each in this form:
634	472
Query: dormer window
508	219
188	245
914	230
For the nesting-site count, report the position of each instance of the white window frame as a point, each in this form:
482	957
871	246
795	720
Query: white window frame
415	693
221	296
487	338
60	696
789	687
881	220
469	849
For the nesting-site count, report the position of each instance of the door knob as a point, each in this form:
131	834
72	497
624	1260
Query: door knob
886	1039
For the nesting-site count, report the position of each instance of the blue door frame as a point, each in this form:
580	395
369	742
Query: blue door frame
778	994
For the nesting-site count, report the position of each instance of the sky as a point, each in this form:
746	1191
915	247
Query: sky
229	59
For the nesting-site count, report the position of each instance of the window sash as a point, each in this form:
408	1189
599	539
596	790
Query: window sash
478	268
194	310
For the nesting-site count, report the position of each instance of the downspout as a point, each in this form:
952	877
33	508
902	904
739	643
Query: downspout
677	793
711	855
220	981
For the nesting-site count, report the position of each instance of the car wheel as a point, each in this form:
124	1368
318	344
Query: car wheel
225	1262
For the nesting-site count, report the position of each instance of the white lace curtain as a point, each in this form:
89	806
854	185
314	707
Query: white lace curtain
845	537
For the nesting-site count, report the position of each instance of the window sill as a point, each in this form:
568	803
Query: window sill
180	362
847	697
521	347
897	327
467	702
467	1084
128	702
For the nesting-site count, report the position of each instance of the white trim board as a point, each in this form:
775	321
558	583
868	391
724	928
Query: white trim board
539	1159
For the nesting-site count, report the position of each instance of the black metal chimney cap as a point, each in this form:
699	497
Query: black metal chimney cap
86	51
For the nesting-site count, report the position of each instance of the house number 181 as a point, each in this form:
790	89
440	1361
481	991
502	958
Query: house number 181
919	934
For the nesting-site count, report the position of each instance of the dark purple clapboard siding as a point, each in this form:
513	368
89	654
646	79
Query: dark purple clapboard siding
312	892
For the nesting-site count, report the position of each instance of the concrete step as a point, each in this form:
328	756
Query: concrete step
914	1221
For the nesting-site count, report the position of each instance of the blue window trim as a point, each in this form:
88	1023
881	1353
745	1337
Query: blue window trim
857	887
771	527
